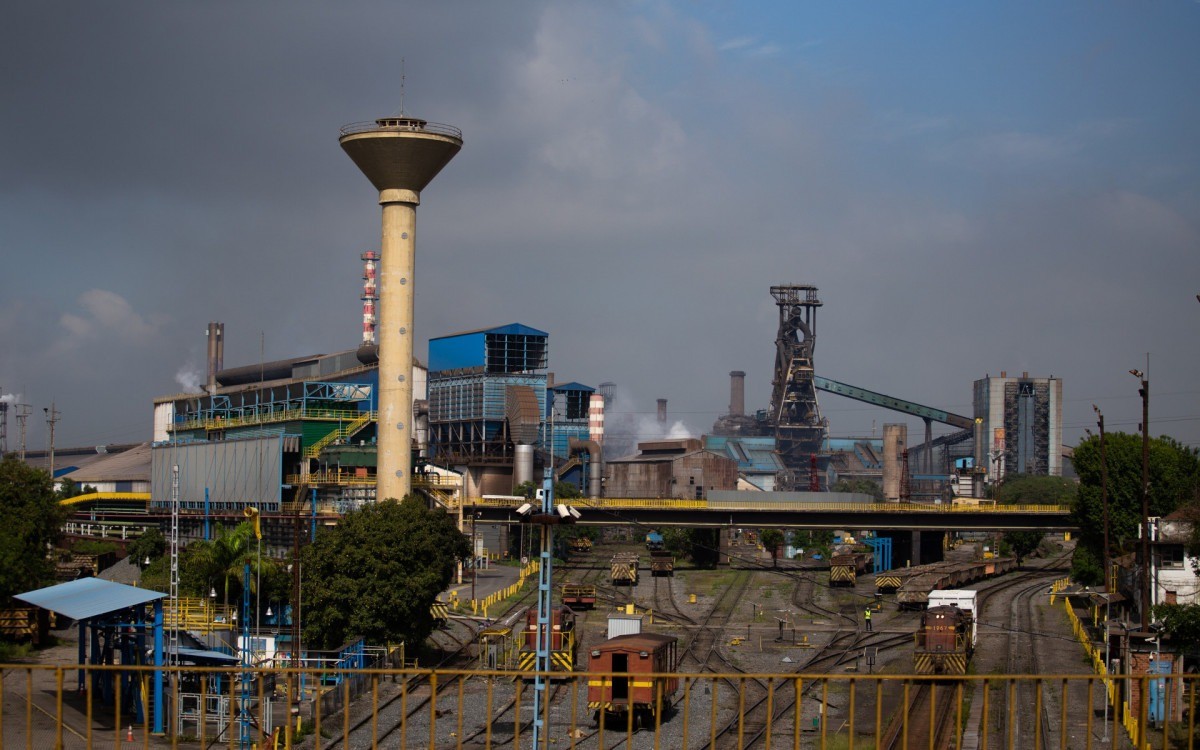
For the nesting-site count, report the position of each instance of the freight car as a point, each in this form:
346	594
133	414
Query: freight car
945	640
915	584
845	569
581	545
620	684
562	641
579	595
662	563
625	569
654	541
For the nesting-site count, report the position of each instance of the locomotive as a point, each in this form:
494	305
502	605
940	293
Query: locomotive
946	638
562	641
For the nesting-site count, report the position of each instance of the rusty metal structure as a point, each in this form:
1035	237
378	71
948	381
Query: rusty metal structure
800	429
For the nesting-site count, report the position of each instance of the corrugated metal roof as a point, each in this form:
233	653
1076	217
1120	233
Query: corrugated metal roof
572	386
130	465
511	328
89	597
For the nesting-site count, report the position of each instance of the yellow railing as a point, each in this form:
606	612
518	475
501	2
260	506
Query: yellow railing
486	708
751	504
199	614
340	478
281	415
481	606
1095	656
341	433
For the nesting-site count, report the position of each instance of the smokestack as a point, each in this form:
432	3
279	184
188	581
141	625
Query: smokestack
400	156
369	259
596	418
662	411
216	353
737	393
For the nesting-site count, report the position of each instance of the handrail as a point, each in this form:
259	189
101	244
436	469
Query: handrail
414	125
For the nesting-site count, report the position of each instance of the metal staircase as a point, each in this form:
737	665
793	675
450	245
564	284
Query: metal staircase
342	433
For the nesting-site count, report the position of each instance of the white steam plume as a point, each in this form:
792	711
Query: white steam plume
190	378
625	426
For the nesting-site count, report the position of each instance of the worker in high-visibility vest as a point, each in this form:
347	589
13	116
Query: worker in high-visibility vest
867	618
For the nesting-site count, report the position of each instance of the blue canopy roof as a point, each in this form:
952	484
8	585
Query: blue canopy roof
89	597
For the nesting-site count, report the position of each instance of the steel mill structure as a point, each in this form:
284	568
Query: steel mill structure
400	156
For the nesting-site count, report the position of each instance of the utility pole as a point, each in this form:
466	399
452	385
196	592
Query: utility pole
1144	392
1104	498
52	417
3	425
22	415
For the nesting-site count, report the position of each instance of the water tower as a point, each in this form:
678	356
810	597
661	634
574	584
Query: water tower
400	156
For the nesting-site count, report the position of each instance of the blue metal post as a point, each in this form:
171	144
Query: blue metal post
159	726
544	631
207	536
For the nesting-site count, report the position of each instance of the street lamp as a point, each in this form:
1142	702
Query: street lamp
1104	495
1144	392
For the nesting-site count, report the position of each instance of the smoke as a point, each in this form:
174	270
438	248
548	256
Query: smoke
10	398
625	425
190	378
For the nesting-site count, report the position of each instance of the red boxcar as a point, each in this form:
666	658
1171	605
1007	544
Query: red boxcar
622	682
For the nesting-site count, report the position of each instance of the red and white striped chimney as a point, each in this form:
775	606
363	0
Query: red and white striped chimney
369	296
596	418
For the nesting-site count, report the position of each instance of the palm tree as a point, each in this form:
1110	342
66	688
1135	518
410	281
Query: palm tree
226	557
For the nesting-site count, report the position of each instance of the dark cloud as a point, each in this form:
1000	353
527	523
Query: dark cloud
635	178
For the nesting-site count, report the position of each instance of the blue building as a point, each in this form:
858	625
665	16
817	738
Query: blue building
487	394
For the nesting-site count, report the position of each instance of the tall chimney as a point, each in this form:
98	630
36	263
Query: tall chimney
662	411
737	393
216	353
400	155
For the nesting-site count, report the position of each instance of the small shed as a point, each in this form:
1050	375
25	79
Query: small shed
115	627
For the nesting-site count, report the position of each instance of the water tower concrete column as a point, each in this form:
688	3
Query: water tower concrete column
400	156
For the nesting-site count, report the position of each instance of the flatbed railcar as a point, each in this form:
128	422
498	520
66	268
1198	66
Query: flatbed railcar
579	595
624	571
621	681
913	592
563	642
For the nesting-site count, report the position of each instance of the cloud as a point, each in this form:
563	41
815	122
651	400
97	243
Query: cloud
190	378
108	315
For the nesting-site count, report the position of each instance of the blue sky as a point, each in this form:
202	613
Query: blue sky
973	187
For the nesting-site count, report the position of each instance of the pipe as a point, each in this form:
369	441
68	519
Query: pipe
595	465
522	464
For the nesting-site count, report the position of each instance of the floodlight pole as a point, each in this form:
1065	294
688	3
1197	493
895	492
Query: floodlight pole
544	631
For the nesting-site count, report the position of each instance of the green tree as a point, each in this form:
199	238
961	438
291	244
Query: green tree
1181	623
863	486
1030	489
1174	478
32	517
698	545
377	572
151	545
771	540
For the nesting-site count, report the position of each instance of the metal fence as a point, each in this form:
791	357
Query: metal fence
63	707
